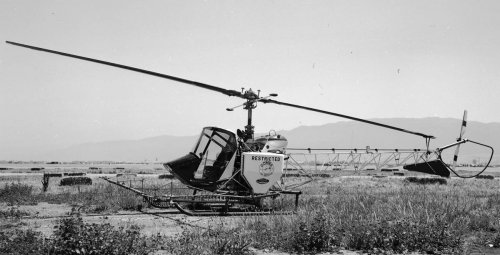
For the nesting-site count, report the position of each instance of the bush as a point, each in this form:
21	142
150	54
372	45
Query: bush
13	213
216	240
319	175
70	181
165	176
22	242
496	240
314	236
426	180
73	236
74	174
17	194
98	198
106	197
402	235
53	175
488	177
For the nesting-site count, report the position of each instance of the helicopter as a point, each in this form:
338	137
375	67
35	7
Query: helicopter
232	173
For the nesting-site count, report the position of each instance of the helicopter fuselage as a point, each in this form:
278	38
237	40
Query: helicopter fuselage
220	161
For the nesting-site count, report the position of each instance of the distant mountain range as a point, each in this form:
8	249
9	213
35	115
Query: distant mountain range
339	135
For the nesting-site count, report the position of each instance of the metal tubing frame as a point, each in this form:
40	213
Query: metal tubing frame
360	159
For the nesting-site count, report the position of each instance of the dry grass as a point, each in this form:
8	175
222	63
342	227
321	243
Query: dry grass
385	215
375	215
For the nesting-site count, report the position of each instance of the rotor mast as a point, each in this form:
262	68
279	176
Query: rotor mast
251	104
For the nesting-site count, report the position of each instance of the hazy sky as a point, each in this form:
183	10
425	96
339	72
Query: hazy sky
370	59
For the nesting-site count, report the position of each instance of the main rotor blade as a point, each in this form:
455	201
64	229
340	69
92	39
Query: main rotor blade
169	77
347	117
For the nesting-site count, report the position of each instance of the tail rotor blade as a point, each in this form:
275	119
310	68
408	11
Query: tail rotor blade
455	157
464	125
462	132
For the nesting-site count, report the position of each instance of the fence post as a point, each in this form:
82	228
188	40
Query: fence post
45	181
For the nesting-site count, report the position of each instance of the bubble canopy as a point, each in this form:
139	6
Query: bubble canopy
209	159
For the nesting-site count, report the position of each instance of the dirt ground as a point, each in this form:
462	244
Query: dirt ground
43	217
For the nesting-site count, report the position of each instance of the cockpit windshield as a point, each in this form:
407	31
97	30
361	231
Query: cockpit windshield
215	147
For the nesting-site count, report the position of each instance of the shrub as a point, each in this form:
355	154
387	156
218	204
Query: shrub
74	174
12	213
53	175
22	242
107	197
496	240
488	177
73	236
314	236
70	181
402	235
165	176
214	240
426	180
318	175
17	194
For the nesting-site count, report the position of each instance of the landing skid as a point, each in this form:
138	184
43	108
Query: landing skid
214	204
228	211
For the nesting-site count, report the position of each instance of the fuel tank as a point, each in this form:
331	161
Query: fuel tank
273	143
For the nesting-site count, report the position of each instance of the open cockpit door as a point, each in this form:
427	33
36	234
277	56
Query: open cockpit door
211	159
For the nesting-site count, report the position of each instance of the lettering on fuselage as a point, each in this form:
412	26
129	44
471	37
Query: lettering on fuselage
266	158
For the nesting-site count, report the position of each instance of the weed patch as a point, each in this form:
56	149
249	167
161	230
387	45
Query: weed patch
96	199
22	242
426	180
13	213
73	236
17	194
215	240
165	176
